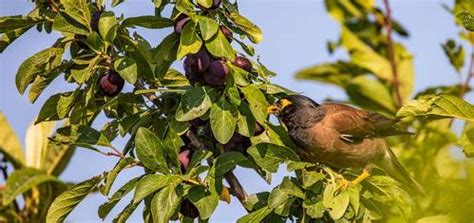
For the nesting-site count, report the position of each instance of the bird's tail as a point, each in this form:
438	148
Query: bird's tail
395	169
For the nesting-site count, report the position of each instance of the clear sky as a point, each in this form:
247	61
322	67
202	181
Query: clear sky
295	35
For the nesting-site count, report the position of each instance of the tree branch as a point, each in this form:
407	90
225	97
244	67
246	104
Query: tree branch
236	189
391	52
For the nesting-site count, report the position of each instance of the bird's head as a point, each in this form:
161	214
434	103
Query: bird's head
293	107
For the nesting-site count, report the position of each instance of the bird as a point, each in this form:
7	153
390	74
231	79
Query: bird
342	136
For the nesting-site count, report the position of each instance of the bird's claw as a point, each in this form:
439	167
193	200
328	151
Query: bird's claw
344	184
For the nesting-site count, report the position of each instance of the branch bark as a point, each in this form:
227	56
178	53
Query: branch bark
392	53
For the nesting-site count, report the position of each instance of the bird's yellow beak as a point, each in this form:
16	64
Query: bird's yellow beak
273	109
279	106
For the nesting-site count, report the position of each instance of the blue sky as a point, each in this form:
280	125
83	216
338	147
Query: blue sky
295	36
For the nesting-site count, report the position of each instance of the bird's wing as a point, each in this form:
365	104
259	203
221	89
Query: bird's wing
354	124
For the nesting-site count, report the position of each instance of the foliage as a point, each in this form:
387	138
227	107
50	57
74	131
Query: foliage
187	132
369	80
35	175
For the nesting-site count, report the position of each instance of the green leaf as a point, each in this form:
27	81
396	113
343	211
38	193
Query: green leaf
39	63
105	208
68	200
78	10
10	145
7	38
256	216
338	73
165	203
205	3
454	53
56	157
65	103
257	102
467	140
365	57
227	161
112	175
149	149
23	180
219	46
81	135
12	23
205	201
208	26
189	43
436	106
64	23
466	19
194	103
148	21
42	81
127	68
108	26
152	183
370	94
95	42
256	201
336	203
222	121
253	32
165	54
270	156
125	213
311	177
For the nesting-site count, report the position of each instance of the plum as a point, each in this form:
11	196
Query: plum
188	209
216	74
111	84
258	129
227	33
184	157
243	63
180	22
197	63
95	20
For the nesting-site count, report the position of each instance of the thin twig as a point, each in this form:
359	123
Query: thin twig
391	52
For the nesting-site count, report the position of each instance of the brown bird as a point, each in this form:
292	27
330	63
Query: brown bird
342	136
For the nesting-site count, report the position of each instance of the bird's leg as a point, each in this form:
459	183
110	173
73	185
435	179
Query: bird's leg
360	178
345	183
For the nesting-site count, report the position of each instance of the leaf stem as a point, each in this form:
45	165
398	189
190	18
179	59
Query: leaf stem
391	52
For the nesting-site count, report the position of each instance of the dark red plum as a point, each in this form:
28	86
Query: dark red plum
180	22
197	63
216	73
258	129
243	63
227	33
111	84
